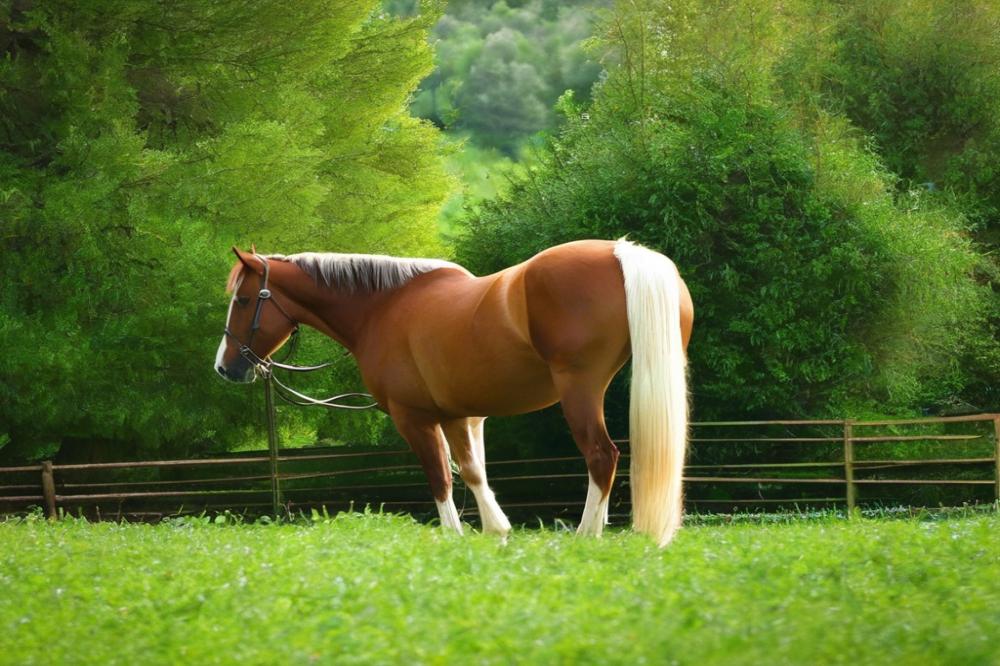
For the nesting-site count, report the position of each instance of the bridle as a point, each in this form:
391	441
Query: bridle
263	297
264	366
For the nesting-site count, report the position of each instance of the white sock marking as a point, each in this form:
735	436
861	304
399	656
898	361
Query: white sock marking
492	516
595	511
494	520
449	515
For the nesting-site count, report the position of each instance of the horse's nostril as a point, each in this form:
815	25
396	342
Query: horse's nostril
220	370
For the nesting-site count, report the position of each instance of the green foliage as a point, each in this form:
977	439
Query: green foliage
818	289
484	173
922	79
501	66
381	589
822	172
138	141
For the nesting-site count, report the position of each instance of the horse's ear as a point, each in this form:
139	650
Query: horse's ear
249	260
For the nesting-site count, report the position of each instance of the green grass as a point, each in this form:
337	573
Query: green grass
375	589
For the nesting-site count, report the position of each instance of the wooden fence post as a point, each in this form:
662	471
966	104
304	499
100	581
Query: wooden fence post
272	443
996	458
852	498
49	490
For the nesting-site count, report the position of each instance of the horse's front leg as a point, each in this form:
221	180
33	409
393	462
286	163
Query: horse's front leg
425	437
465	437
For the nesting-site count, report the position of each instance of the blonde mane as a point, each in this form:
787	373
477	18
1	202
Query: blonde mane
362	272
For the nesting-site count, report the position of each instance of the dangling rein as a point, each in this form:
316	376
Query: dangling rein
265	366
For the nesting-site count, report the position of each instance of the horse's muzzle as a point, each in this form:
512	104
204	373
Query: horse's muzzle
240	371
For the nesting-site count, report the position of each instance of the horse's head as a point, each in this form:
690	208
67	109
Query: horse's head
257	323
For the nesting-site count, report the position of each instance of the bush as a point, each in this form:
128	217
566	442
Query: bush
816	290
922	79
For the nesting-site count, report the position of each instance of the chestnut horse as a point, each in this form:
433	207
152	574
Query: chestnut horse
441	349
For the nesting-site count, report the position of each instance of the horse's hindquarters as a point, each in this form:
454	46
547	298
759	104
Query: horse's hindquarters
575	299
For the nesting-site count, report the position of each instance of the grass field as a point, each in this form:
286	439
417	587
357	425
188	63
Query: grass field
373	589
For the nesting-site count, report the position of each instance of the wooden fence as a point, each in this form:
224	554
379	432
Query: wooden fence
732	465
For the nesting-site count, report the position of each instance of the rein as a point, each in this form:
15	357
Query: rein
265	366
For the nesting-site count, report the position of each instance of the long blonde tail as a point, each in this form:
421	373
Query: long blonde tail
658	411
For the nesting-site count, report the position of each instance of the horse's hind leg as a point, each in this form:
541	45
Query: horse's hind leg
465	436
427	440
583	406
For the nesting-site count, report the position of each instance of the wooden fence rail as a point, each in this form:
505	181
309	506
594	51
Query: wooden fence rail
732	464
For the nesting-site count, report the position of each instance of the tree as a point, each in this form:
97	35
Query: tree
138	141
503	97
502	65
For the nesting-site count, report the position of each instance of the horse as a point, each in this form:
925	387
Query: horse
440	350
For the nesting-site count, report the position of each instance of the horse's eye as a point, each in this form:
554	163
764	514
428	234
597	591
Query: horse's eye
243	300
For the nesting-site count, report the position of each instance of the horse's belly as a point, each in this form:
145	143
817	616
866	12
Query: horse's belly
486	384
504	396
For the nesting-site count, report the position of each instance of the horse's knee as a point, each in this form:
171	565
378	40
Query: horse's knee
461	440
471	474
428	443
439	479
470	468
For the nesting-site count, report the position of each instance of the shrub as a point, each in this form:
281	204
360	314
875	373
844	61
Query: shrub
816	288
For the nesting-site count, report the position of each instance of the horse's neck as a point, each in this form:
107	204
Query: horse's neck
338	314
